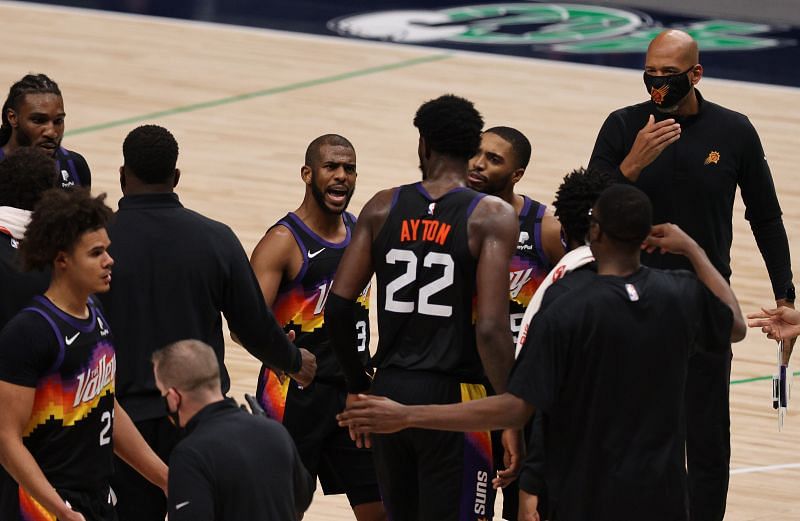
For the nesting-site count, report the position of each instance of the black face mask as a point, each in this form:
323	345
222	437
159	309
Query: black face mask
667	91
173	416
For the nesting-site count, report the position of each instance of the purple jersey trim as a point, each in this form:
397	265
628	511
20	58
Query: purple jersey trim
474	203
73	172
303	250
537	233
395	195
82	325
319	239
61	348
426	195
526	207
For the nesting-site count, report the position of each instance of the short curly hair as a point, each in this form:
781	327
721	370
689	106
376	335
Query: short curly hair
151	152
24	176
59	220
575	197
450	125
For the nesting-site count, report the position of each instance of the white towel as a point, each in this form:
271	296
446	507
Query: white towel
14	220
573	260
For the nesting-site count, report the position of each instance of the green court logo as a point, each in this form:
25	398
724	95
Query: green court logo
570	28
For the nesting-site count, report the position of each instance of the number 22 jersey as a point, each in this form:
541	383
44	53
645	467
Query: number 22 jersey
426	284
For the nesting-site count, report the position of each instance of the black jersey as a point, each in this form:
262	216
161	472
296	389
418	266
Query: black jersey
529	265
299	307
71	364
426	284
72	168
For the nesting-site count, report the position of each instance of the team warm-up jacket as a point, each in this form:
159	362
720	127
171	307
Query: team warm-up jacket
692	183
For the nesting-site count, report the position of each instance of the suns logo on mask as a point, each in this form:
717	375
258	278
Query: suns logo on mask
658	95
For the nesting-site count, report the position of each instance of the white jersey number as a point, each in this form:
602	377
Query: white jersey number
106	419
427	291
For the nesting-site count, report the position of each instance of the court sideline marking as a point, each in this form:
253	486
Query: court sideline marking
767	468
192	107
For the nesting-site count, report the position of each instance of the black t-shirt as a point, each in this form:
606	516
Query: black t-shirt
426	284
71	364
232	465
607	363
18	286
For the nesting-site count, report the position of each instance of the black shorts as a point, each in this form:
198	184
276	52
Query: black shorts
326	449
18	505
431	475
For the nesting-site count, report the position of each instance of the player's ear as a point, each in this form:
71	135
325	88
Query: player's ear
517	175
176	178
11	116
305	174
122	178
61	260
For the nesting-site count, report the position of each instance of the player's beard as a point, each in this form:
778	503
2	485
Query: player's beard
23	139
319	197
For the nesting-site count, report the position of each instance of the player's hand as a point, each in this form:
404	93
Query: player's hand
513	454
650	141
362	439
71	515
528	507
367	413
308	368
668	238
781	323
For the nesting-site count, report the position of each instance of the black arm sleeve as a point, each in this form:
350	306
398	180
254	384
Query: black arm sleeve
341	323
763	210
249	317
191	496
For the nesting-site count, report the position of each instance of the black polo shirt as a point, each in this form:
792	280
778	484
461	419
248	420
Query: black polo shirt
175	274
607	364
235	466
692	183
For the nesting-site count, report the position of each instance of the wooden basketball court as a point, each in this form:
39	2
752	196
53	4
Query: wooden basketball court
244	104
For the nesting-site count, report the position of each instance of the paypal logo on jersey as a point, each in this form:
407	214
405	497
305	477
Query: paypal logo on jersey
522	243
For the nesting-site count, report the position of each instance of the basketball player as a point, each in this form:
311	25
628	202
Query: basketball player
607	362
60	419
575	196
24	176
295	264
498	166
33	116
441	254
